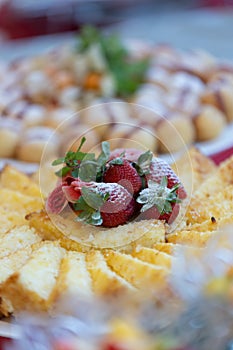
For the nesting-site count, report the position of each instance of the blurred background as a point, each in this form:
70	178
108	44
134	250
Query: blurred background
186	24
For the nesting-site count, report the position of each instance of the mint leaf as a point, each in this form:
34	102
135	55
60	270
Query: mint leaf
127	73
62	172
93	198
89	204
158	195
59	161
105	154
88	36
143	163
88	171
117	161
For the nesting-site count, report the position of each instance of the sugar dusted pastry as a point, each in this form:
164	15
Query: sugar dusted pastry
183	80
38	86
158	76
72	136
197	62
29	114
7	97
174	132
182	100
165	56
70	97
133	134
9	136
104	113
34	115
33	142
209	122
57	116
220	95
87	78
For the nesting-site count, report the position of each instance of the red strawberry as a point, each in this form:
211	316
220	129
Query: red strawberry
158	169
153	213
170	217
123	173
56	201
131	154
106	204
159	202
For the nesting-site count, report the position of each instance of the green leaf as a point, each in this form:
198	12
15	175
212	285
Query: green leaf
93	198
143	163
62	172
96	218
158	195
81	205
88	171
58	161
105	154
163	182
127	73
75	172
117	161
89	214
88	36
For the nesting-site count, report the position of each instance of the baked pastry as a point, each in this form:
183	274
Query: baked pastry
174	132
49	88
73	135
220	95
9	136
133	135
209	122
33	142
102	114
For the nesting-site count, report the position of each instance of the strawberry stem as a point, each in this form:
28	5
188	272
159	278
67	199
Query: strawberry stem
158	195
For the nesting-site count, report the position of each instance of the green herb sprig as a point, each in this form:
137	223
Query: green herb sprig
127	73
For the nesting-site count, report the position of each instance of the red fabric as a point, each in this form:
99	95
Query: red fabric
221	156
4	342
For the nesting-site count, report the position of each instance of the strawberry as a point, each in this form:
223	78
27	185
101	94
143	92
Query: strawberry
131	154
159	202
130	174
122	171
105	204
158	169
56	201
153	213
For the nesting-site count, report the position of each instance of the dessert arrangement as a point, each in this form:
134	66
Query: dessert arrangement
187	91
106	245
117	238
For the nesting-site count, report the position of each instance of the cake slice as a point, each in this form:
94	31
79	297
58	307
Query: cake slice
12	200
31	287
140	274
13	179
153	256
191	238
9	219
105	280
74	279
168	248
193	168
82	237
217	181
17	238
8	266
216	207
